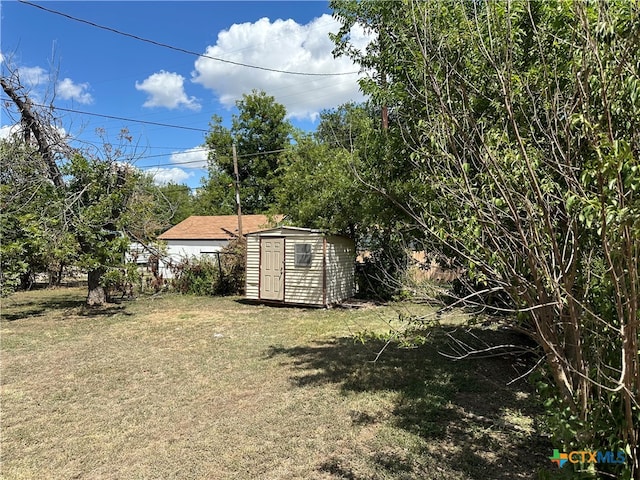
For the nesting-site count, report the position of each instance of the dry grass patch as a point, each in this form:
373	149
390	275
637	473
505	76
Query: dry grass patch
187	387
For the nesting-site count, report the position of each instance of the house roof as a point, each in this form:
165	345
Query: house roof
217	227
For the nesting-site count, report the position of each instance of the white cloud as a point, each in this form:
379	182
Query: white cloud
162	176
166	89
37	80
192	158
6	131
33	76
282	45
67	90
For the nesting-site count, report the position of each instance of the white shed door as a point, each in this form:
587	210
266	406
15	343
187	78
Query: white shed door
272	268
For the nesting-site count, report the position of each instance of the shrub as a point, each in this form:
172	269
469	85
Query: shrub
233	263
121	280
220	274
196	276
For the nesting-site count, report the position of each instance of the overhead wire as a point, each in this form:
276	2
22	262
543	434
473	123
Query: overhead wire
183	50
246	155
167	125
113	117
190	150
161	124
125	119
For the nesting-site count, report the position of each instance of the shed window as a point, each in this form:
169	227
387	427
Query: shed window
303	255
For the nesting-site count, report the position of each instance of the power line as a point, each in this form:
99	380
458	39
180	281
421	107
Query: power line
142	157
112	117
179	49
184	152
246	155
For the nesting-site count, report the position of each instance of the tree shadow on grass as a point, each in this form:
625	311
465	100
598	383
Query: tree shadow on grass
38	308
107	310
61	309
469	421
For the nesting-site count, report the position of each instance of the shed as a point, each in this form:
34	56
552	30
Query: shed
299	266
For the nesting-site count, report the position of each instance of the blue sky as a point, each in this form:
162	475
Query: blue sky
94	70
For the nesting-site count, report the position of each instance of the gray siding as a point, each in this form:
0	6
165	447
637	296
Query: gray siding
304	284
252	272
340	269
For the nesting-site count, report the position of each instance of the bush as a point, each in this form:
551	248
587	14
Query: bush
196	276
380	275
233	262
220	274
121	280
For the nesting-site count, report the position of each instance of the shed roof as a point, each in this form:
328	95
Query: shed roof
216	227
286	229
283	228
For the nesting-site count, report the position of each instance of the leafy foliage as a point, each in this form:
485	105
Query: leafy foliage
32	228
233	260
260	133
98	212
196	276
318	189
170	204
81	224
64	205
521	121
222	273
337	180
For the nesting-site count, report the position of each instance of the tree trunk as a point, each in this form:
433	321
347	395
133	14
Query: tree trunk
59	275
97	294
36	126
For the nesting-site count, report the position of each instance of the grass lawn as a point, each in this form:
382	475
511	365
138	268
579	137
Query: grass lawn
212	388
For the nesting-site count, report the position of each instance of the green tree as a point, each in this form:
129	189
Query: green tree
323	176
326	183
63	204
350	126
99	212
261	132
180	200
317	187
33	240
523	120
174	199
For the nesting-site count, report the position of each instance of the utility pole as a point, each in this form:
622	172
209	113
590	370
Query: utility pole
235	171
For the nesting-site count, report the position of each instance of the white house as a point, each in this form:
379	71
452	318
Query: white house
299	266
202	235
